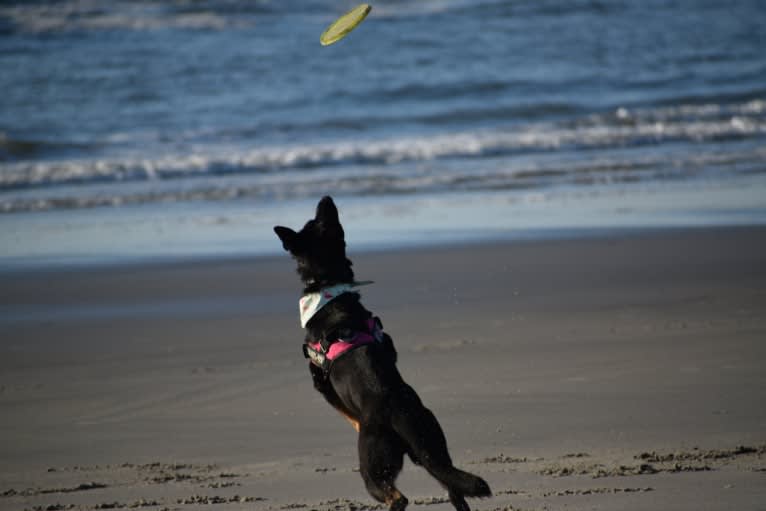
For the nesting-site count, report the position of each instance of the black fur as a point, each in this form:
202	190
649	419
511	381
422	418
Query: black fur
365	384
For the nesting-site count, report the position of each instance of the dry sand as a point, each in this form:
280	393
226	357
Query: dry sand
617	372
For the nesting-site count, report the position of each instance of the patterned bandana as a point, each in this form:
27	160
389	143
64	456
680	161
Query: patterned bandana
309	304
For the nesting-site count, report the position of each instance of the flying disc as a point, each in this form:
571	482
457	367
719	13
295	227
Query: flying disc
345	24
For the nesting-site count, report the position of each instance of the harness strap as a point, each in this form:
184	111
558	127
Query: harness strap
323	353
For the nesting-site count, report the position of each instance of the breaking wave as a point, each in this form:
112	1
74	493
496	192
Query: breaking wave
617	129
94	15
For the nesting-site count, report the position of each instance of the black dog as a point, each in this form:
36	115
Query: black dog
363	382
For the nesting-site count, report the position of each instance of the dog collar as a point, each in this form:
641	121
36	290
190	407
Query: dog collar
309	304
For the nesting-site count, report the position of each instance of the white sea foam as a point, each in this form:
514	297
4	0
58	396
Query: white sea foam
626	128
429	7
535	172
91	15
535	155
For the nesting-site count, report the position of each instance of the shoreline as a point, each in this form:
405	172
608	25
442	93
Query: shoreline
552	235
243	229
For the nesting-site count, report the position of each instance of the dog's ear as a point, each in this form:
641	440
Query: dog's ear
288	236
327	217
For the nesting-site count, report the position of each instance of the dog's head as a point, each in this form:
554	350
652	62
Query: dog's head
319	248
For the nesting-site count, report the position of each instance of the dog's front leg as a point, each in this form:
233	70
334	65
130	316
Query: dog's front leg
323	385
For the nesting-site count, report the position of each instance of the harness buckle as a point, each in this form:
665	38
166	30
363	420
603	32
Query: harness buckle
317	358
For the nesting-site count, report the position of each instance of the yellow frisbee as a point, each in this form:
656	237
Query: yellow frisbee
345	24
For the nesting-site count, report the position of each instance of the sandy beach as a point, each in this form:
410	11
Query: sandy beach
620	371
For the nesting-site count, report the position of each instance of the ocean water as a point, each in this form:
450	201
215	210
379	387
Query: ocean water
187	128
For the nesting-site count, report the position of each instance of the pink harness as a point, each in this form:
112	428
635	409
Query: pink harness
323	359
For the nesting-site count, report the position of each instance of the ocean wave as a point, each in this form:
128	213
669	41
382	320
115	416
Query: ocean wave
407	9
13	148
442	91
94	15
531	174
619	128
482	114
489	8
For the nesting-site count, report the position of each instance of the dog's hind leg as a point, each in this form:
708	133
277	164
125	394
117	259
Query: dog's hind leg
458	501
419	429
381	457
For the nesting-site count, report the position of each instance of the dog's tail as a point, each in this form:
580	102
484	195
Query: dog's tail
461	482
417	426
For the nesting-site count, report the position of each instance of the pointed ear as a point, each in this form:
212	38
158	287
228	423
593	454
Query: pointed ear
288	237
327	213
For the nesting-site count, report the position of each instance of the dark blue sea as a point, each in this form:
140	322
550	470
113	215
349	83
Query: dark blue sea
134	129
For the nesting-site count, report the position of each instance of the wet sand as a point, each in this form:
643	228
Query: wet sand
613	372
